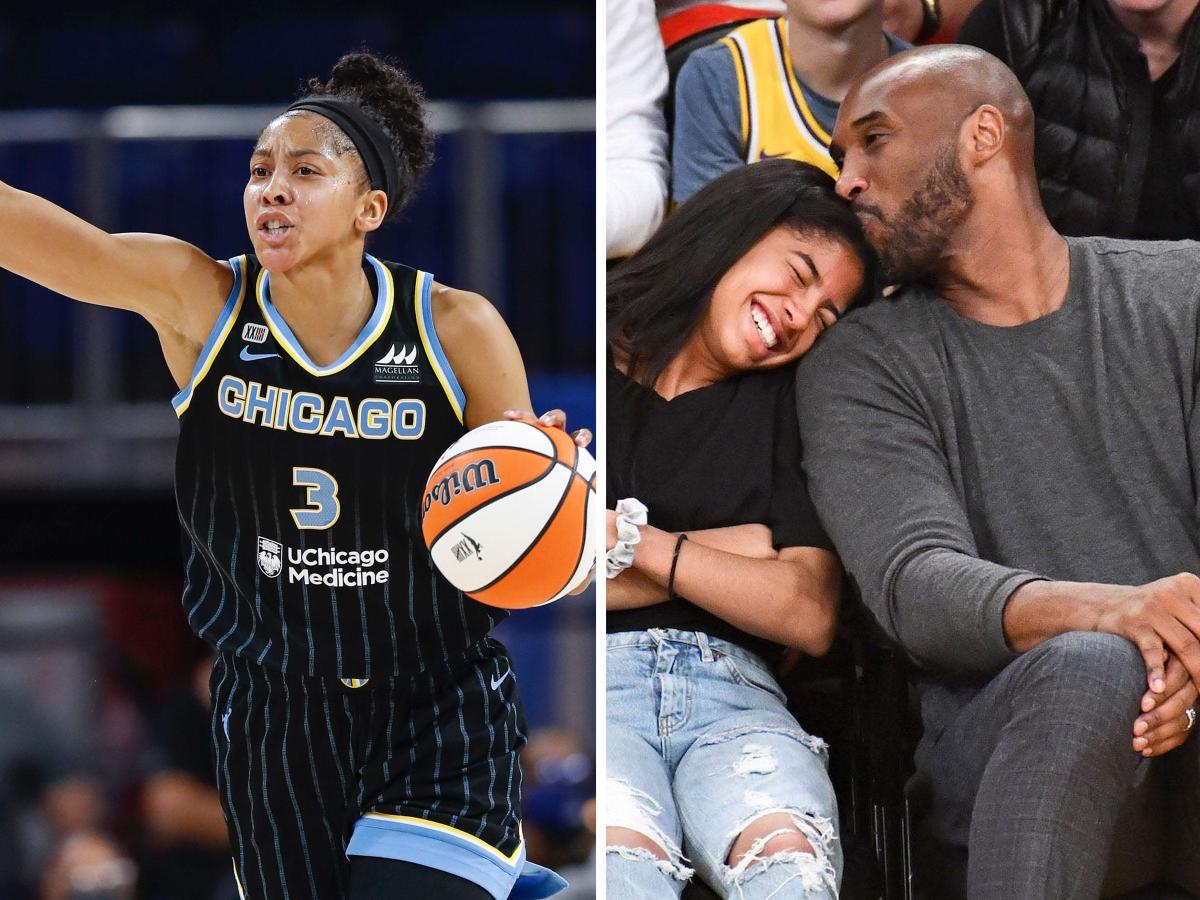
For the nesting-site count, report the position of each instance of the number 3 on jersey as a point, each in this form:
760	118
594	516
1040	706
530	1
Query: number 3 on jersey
321	490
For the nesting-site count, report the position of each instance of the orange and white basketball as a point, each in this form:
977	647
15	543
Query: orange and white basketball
508	514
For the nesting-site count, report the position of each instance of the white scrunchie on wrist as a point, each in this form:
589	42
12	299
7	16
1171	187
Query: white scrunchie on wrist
630	514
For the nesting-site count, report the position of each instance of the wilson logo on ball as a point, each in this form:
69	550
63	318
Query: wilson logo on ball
472	477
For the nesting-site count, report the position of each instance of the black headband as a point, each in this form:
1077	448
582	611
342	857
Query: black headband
369	139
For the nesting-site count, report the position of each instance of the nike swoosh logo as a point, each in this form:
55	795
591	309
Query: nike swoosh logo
247	356
763	154
496	682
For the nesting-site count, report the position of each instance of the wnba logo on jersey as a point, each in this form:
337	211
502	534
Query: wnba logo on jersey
398	367
270	556
473	476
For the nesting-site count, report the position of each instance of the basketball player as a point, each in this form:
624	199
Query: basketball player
365	726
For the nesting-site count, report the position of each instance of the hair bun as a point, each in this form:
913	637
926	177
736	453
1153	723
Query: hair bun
394	101
359	71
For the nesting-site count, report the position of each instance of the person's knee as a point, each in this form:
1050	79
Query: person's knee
792	840
636	833
1106	667
766	837
1082	691
628	838
1093	651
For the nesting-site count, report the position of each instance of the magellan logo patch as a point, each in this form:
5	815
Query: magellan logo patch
255	334
270	556
398	366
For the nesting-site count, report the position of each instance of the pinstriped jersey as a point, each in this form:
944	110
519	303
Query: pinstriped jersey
776	120
299	486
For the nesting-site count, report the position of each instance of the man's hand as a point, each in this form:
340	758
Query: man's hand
1163	724
1160	617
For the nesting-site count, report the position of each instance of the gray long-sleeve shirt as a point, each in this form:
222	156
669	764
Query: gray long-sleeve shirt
952	461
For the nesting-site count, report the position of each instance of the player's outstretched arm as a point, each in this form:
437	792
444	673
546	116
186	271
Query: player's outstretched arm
168	281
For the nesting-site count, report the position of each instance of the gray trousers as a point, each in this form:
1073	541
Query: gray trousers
1036	776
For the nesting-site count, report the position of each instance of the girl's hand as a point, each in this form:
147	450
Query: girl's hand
555	418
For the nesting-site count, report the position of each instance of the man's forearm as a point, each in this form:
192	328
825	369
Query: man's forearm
1040	610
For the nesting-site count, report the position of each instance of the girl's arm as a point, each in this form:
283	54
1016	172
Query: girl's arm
171	283
633	589
791	600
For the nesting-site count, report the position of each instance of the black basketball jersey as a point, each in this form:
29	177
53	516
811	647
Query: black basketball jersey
299	487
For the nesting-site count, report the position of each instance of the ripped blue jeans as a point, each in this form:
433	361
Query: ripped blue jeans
700	746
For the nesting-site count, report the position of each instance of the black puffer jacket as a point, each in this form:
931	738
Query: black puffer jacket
1092	95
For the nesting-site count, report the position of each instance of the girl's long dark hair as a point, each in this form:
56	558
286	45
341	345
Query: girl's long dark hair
657	297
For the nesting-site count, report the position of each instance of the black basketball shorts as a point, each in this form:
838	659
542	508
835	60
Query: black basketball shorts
422	769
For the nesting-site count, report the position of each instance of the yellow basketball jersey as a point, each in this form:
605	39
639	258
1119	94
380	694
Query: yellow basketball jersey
776	119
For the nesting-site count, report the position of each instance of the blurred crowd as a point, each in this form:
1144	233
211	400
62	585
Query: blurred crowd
107	792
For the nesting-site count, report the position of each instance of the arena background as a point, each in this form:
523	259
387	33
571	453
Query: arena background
143	121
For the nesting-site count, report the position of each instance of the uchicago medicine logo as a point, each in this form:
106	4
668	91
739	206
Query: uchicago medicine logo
327	566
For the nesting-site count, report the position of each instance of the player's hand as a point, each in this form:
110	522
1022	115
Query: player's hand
1161	617
1163	724
585	584
555	418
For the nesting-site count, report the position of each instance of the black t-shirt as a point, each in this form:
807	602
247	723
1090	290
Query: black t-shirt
721	455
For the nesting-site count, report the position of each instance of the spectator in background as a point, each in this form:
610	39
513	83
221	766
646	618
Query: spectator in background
771	89
89	866
636	134
188	847
1116	94
912	20
558	800
46	793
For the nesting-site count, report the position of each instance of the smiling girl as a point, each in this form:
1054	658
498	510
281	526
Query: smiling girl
365	730
730	561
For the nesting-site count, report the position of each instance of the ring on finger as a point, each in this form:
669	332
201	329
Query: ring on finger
1190	712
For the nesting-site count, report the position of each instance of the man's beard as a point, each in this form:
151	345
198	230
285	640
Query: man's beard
910	244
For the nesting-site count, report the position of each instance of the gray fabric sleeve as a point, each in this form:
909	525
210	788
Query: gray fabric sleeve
885	493
708	131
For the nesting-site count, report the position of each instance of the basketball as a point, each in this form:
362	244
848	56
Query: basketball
508	514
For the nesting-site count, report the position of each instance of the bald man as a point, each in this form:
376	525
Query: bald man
1006	454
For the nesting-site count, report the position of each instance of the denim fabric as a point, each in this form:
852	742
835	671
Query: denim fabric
700	745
